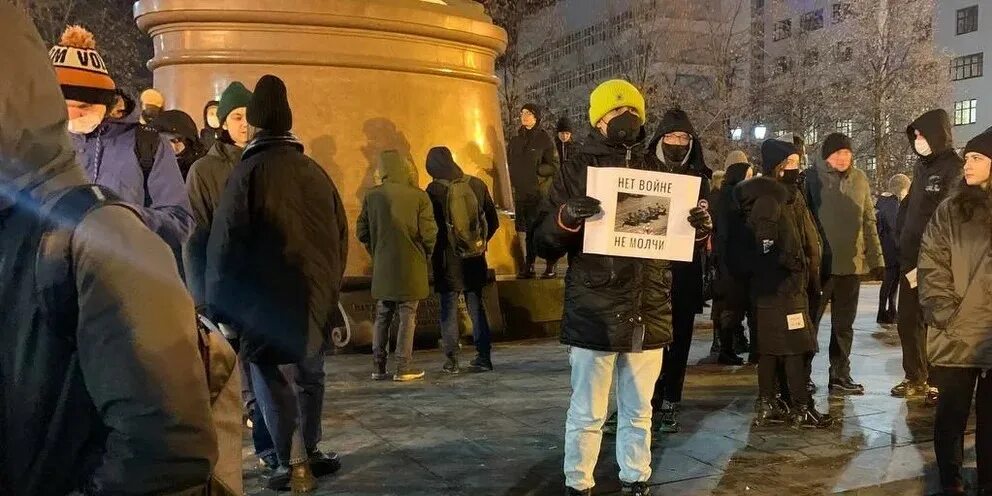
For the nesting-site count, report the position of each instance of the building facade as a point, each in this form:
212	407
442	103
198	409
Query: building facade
963	28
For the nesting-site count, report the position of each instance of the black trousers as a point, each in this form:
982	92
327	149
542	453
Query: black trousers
912	333
672	378
887	293
841	292
527	219
772	369
957	387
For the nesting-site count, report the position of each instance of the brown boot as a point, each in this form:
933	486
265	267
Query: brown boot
301	479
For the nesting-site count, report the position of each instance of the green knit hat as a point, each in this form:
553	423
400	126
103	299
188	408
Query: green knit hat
234	96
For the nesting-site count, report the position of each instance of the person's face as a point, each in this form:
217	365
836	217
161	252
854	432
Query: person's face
528	119
977	168
236	125
565	136
605	121
791	163
118	111
212	119
749	173
79	109
840	160
178	145
676	138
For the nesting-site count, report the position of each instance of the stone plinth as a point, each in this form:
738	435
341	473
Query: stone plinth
363	76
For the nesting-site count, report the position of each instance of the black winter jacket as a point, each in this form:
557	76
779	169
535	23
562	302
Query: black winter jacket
451	272
277	251
955	281
886	215
933	178
611	303
686	276
783	252
532	160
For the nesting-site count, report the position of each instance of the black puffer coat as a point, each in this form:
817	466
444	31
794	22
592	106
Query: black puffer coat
451	272
955	274
532	160
730	286
783	254
933	178
687	276
611	303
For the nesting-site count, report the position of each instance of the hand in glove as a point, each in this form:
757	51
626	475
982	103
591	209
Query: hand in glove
700	220
576	210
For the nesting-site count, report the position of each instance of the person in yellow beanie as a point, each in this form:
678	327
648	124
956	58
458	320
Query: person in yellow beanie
152	103
617	314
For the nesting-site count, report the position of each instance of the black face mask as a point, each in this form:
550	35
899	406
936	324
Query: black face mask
624	129
149	115
790	176
674	154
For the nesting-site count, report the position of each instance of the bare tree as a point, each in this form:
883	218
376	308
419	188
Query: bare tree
121	44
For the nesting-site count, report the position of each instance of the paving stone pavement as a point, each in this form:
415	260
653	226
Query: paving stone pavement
501	433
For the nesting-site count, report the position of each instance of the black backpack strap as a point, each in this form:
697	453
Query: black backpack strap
54	281
146	142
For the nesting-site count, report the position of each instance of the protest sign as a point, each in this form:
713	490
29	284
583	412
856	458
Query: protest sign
644	214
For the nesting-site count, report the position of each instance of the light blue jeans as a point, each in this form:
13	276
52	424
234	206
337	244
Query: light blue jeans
592	375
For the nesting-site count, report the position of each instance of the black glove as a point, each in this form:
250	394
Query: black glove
877	274
579	209
700	220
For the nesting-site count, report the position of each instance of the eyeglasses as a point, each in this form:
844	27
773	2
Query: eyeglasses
677	138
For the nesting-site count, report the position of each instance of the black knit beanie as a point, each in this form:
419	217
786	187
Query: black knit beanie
980	144
774	152
269	107
534	109
564	125
834	142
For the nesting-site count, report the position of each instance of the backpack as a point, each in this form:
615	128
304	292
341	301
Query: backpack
56	287
146	143
467	228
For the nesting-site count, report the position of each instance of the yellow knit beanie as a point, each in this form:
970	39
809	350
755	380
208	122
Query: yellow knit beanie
614	94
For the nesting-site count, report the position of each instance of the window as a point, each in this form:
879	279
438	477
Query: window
841	11
843	52
845	126
967	20
759	4
966	67
871	163
811	57
965	112
812	20
783	30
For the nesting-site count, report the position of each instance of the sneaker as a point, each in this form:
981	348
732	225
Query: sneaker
268	462
379	372
297	478
635	489
806	417
668	418
549	272
729	359
910	389
575	492
481	364
932	395
845	387
610	426
408	374
324	464
768	412
451	366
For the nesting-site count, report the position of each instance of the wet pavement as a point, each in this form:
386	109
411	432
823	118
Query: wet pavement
501	433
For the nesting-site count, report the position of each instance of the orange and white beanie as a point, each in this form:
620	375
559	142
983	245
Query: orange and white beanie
81	72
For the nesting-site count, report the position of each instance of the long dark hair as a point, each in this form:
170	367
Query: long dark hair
969	200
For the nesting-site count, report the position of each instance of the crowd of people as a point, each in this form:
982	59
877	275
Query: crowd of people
107	204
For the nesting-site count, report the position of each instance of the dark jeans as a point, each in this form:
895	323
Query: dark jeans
480	324
788	368
841	292
260	437
292	400
384	313
957	386
887	293
672	379
527	220
912	333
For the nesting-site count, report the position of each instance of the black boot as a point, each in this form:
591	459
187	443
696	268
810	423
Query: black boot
769	411
806	417
635	489
729	359
527	272
549	270
741	344
575	492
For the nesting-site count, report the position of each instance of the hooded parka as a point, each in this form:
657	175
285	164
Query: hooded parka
397	227
111	397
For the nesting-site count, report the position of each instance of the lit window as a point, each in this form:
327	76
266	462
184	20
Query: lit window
736	134
845	126
871	163
965	112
